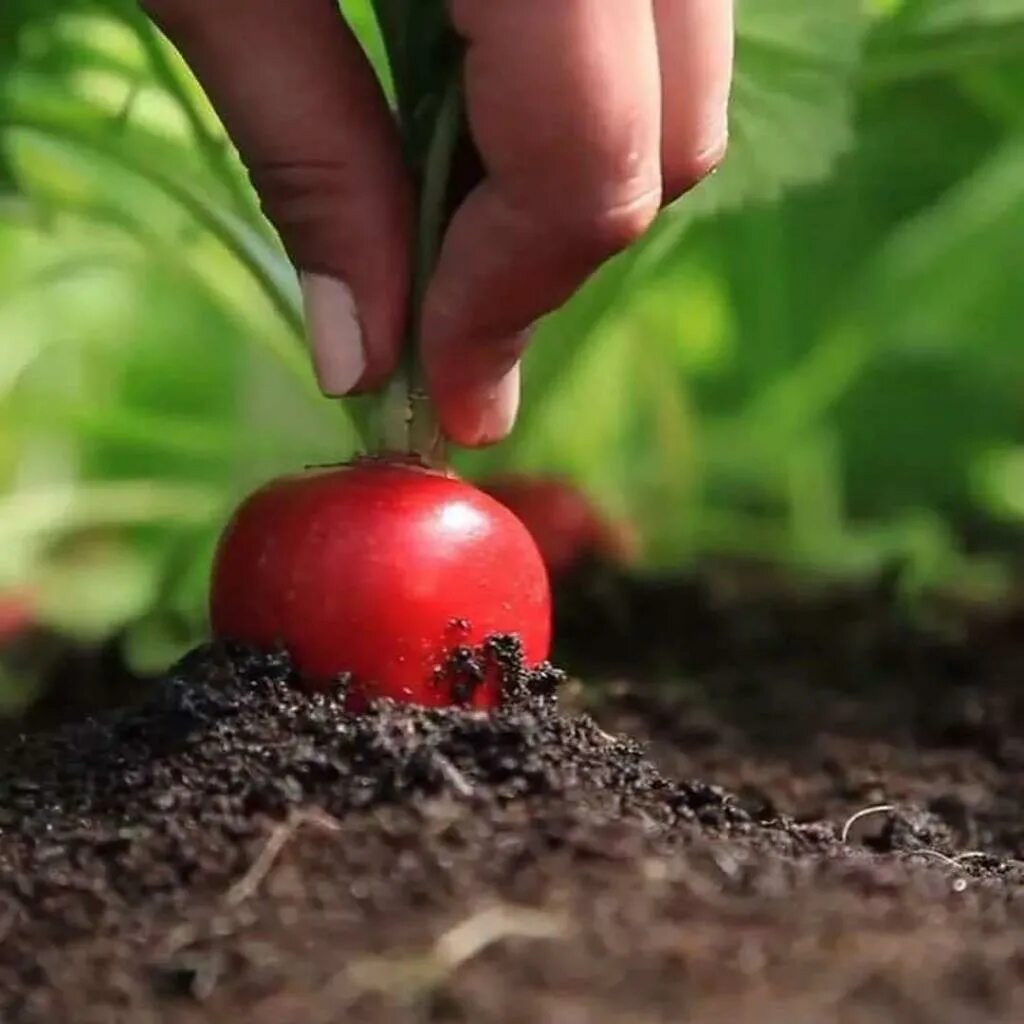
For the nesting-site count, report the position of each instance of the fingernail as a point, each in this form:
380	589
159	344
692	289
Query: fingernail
494	411
335	334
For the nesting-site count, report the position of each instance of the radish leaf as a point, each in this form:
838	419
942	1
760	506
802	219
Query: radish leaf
791	110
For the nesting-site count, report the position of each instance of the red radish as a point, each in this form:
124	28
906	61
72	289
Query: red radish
16	615
563	522
382	569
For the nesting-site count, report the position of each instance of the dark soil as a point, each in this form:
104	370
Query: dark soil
235	850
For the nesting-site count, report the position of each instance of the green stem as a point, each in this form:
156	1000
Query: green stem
409	424
434	193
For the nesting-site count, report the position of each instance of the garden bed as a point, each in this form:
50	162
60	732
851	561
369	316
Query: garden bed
788	806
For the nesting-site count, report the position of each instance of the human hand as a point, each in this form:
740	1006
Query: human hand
589	115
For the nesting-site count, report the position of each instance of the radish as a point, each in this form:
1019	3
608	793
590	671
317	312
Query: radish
563	521
17	615
382	569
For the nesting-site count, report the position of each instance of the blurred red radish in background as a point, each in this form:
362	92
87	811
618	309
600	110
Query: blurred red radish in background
565	524
17	615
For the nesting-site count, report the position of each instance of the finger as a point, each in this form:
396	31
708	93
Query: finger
302	104
564	102
695	46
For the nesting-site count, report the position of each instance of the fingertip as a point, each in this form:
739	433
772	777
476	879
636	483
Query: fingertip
347	359
695	47
484	414
350	240
479	407
688	170
335	333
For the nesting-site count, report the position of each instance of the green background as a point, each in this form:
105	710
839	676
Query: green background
815	359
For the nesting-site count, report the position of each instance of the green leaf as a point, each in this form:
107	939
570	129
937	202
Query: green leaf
44	512
935	37
92	593
362	19
946	274
950	14
792	100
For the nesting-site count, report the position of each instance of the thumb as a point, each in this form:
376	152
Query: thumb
302	104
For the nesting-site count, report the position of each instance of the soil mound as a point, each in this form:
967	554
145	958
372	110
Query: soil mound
234	846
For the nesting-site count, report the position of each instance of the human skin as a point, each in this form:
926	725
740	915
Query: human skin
589	116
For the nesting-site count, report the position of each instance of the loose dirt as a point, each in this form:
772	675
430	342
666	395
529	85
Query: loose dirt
778	805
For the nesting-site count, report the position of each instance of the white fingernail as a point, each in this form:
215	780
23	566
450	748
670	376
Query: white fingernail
494	412
335	334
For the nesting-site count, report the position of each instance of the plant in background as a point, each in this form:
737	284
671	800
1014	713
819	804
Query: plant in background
786	345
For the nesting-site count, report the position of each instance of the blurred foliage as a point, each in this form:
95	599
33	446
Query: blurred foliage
814	358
